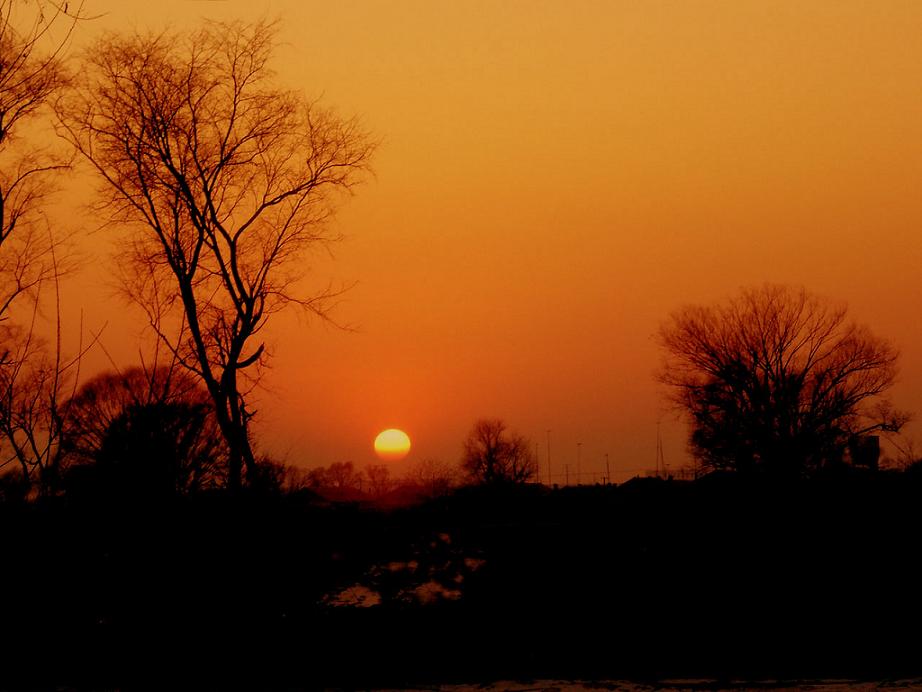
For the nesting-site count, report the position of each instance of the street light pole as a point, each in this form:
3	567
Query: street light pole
579	448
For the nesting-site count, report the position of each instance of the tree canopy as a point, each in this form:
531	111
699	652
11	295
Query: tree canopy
494	455
146	431
776	379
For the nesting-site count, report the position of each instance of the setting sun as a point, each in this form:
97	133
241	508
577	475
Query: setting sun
392	444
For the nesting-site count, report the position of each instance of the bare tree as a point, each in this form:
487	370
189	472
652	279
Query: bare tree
339	481
494	455
434	477
379	481
32	380
224	180
343	476
33	38
776	379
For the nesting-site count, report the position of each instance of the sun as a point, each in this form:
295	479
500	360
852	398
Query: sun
392	444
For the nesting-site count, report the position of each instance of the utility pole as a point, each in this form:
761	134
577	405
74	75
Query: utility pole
607	470
550	477
579	477
537	465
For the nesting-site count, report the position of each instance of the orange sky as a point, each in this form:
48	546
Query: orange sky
554	179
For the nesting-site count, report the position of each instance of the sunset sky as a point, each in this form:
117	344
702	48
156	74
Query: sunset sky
554	178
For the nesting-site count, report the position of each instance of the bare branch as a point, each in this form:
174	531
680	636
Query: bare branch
494	455
222	181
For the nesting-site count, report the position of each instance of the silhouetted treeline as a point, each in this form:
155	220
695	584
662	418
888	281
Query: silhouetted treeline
719	577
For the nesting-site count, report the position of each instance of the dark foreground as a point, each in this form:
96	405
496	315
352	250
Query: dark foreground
719	579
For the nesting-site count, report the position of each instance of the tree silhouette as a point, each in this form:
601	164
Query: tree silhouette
378	480
225	180
33	38
32	73
148	431
776	380
434	477
33	384
105	397
340	475
494	455
161	449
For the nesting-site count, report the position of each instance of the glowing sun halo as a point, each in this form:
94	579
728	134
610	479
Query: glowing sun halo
392	444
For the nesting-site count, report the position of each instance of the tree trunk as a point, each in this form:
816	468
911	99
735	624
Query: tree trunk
234	426
229	430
